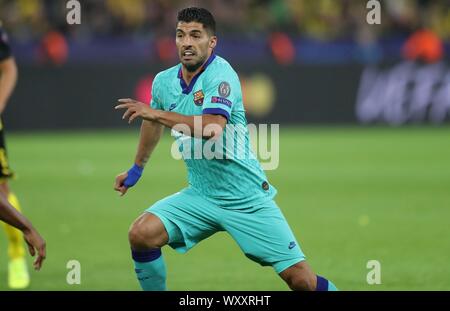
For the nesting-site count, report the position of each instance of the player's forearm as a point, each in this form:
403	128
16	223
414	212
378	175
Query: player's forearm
149	137
196	124
8	79
11	216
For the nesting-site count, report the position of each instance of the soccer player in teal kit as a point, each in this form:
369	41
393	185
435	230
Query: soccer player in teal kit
202	96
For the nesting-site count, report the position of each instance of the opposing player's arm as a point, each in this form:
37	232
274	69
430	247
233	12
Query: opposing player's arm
35	242
12	217
8	80
205	125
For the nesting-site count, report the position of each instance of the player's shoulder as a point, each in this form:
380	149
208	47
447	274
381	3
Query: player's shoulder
167	74
219	67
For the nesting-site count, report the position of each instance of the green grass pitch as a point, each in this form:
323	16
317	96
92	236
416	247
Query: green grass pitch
350	195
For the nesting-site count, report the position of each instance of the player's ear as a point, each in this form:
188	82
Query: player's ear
212	42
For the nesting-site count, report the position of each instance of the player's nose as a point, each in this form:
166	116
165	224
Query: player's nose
186	46
186	41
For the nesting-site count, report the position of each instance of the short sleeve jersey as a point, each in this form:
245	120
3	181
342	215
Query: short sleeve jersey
224	171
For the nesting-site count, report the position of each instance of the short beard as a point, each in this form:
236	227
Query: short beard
194	67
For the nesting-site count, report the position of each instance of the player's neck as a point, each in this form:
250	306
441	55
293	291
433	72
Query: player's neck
189	75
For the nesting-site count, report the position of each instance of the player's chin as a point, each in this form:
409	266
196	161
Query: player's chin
189	62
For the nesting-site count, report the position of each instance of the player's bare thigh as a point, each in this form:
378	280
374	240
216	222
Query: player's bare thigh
147	232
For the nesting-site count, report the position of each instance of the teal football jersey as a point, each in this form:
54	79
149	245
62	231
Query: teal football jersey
224	171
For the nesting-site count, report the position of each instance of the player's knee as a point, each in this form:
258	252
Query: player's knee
142	237
147	232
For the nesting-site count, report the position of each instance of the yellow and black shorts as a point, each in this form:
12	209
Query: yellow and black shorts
5	172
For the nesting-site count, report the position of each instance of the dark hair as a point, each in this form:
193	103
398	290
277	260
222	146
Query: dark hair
200	15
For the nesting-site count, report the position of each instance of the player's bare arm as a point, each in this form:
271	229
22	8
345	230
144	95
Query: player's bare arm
170	119
36	243
149	137
8	79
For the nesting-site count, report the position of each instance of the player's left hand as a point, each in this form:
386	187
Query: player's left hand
135	109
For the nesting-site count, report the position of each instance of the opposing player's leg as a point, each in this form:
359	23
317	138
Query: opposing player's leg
264	235
181	221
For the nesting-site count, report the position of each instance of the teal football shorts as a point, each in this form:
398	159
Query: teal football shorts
261	231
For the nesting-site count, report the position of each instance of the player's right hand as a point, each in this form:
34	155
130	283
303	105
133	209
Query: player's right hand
35	244
128	179
119	184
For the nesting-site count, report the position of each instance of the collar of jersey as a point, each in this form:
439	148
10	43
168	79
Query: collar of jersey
188	88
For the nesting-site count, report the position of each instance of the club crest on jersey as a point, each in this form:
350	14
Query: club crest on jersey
199	97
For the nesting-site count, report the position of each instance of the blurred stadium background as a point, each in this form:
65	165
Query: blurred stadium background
364	145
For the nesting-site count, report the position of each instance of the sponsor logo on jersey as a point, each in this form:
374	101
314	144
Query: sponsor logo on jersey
221	100
172	106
